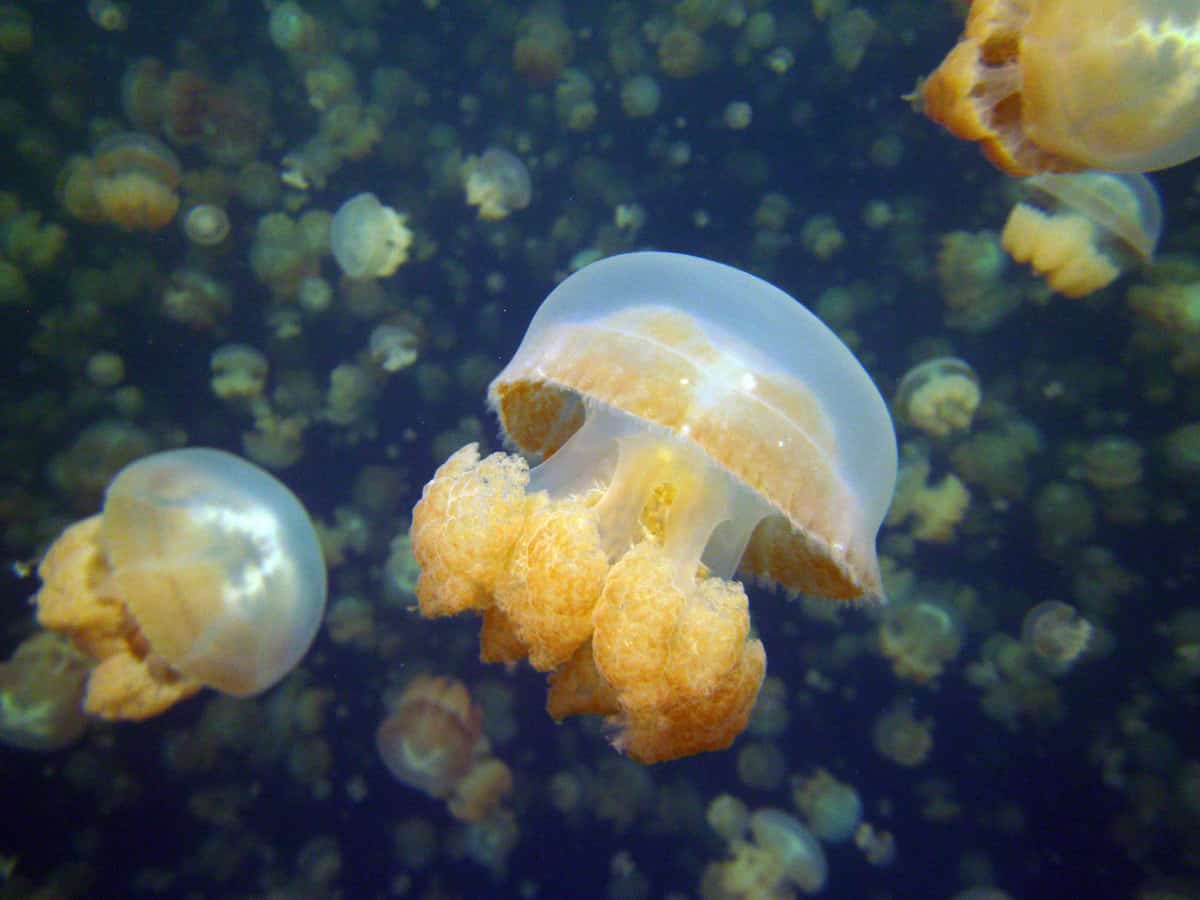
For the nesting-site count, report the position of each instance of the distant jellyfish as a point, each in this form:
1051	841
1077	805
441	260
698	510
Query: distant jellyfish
1113	462
497	182
1065	85
429	737
393	347
135	177
206	225
1056	633
832	808
142	92
41	694
543	47
939	396
108	14
899	736
368	239
793	847
1080	231
202	570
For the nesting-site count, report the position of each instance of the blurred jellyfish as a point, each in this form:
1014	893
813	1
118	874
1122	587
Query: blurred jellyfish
108	14
1064	85
369	240
919	639
901	737
1056	633
939	396
239	372
393	347
497	182
41	694
543	47
832	808
1112	463
1080	231
206	225
797	851
134	177
202	570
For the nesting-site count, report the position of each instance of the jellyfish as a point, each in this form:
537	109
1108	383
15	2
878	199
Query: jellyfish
135	177
1080	231
369	240
201	571
206	225
1065	85
41	694
680	434
832	808
1056	634
432	740
497	182
939	396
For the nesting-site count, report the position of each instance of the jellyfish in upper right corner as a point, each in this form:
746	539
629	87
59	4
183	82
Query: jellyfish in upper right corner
1079	232
201	570
688	420
1067	85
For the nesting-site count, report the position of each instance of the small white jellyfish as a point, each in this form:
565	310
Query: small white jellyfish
369	240
393	347
497	182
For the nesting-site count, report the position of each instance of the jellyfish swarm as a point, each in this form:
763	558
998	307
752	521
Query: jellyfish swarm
202	570
689	418
1080	231
1064	85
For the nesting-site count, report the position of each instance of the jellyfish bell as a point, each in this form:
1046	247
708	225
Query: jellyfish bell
1081	231
134	179
41	693
681	436
201	570
939	396
369	240
1065	85
497	183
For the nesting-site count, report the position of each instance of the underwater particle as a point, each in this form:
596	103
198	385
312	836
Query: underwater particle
206	225
939	396
497	182
605	563
1056	633
41	694
1064	85
201	570
368	239
1084	229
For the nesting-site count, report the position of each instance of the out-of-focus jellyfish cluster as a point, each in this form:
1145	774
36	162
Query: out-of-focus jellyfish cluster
619	588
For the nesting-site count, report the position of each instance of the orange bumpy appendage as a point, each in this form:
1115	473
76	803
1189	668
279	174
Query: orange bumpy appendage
1060	248
129	682
464	527
554	578
679	660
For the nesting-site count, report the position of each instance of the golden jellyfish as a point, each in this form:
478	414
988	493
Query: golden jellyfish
432	740
41	694
1066	85
201	570
369	240
497	183
680	436
1056	633
206	225
543	47
939	396
1080	231
135	178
